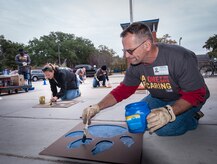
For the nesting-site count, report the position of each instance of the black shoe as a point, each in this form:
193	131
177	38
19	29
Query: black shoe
198	115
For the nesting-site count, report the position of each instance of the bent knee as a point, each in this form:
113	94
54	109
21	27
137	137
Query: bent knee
171	132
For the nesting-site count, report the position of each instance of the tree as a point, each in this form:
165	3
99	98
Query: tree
166	39
70	49
119	64
211	45
58	48
102	56
8	51
105	55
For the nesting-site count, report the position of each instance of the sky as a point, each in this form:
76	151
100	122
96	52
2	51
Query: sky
99	20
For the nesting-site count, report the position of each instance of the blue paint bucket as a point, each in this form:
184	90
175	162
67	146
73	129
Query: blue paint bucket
135	114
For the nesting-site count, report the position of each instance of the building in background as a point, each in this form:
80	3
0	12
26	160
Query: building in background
153	25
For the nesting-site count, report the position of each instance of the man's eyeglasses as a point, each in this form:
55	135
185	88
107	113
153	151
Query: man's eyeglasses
130	51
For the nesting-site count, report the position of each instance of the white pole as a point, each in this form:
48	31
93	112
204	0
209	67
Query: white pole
180	41
59	53
131	11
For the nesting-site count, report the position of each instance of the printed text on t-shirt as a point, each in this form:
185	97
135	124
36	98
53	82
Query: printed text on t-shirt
156	82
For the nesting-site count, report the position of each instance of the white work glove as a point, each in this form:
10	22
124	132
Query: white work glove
160	117
90	112
24	63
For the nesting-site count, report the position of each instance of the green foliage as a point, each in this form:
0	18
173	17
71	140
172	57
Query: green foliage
166	39
211	45
119	64
8	51
59	48
71	50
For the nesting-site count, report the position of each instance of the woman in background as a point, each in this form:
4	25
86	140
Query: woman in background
63	79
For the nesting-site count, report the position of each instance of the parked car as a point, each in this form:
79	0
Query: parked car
90	71
67	68
37	74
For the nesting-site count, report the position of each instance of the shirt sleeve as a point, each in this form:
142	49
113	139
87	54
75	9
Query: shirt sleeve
53	87
106	76
28	59
63	85
18	61
122	91
196	97
186	73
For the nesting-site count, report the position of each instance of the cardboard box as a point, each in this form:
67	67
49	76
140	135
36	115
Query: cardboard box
17	80
5	80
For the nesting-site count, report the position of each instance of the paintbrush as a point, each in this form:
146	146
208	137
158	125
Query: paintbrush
85	132
50	102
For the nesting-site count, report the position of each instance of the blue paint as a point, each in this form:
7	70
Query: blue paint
102	146
78	143
75	134
100	131
135	114
127	140
106	131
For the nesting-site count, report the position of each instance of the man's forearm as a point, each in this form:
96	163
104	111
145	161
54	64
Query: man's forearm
107	101
181	106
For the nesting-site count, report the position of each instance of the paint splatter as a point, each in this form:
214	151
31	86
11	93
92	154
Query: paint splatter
102	146
127	140
106	131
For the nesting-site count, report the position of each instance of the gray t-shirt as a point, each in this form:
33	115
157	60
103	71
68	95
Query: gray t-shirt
175	68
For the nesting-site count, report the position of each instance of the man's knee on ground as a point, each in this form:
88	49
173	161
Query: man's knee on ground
95	86
171	132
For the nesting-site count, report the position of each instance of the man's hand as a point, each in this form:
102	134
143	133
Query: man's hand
108	83
54	99
160	117
90	112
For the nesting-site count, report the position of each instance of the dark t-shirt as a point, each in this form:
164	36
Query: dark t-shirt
175	68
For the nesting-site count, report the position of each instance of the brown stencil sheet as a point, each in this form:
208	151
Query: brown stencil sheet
118	153
58	104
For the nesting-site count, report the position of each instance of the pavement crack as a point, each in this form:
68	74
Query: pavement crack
37	158
49	118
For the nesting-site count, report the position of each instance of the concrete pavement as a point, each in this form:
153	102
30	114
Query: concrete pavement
26	131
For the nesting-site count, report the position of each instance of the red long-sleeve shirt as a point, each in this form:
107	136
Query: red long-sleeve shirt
193	97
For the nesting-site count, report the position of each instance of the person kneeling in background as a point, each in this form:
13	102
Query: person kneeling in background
81	75
101	75
64	79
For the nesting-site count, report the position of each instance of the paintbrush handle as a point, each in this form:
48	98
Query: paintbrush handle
86	128
86	125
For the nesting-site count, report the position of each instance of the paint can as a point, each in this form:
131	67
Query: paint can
135	114
42	100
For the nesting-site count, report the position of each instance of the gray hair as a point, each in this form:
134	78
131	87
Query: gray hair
138	28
